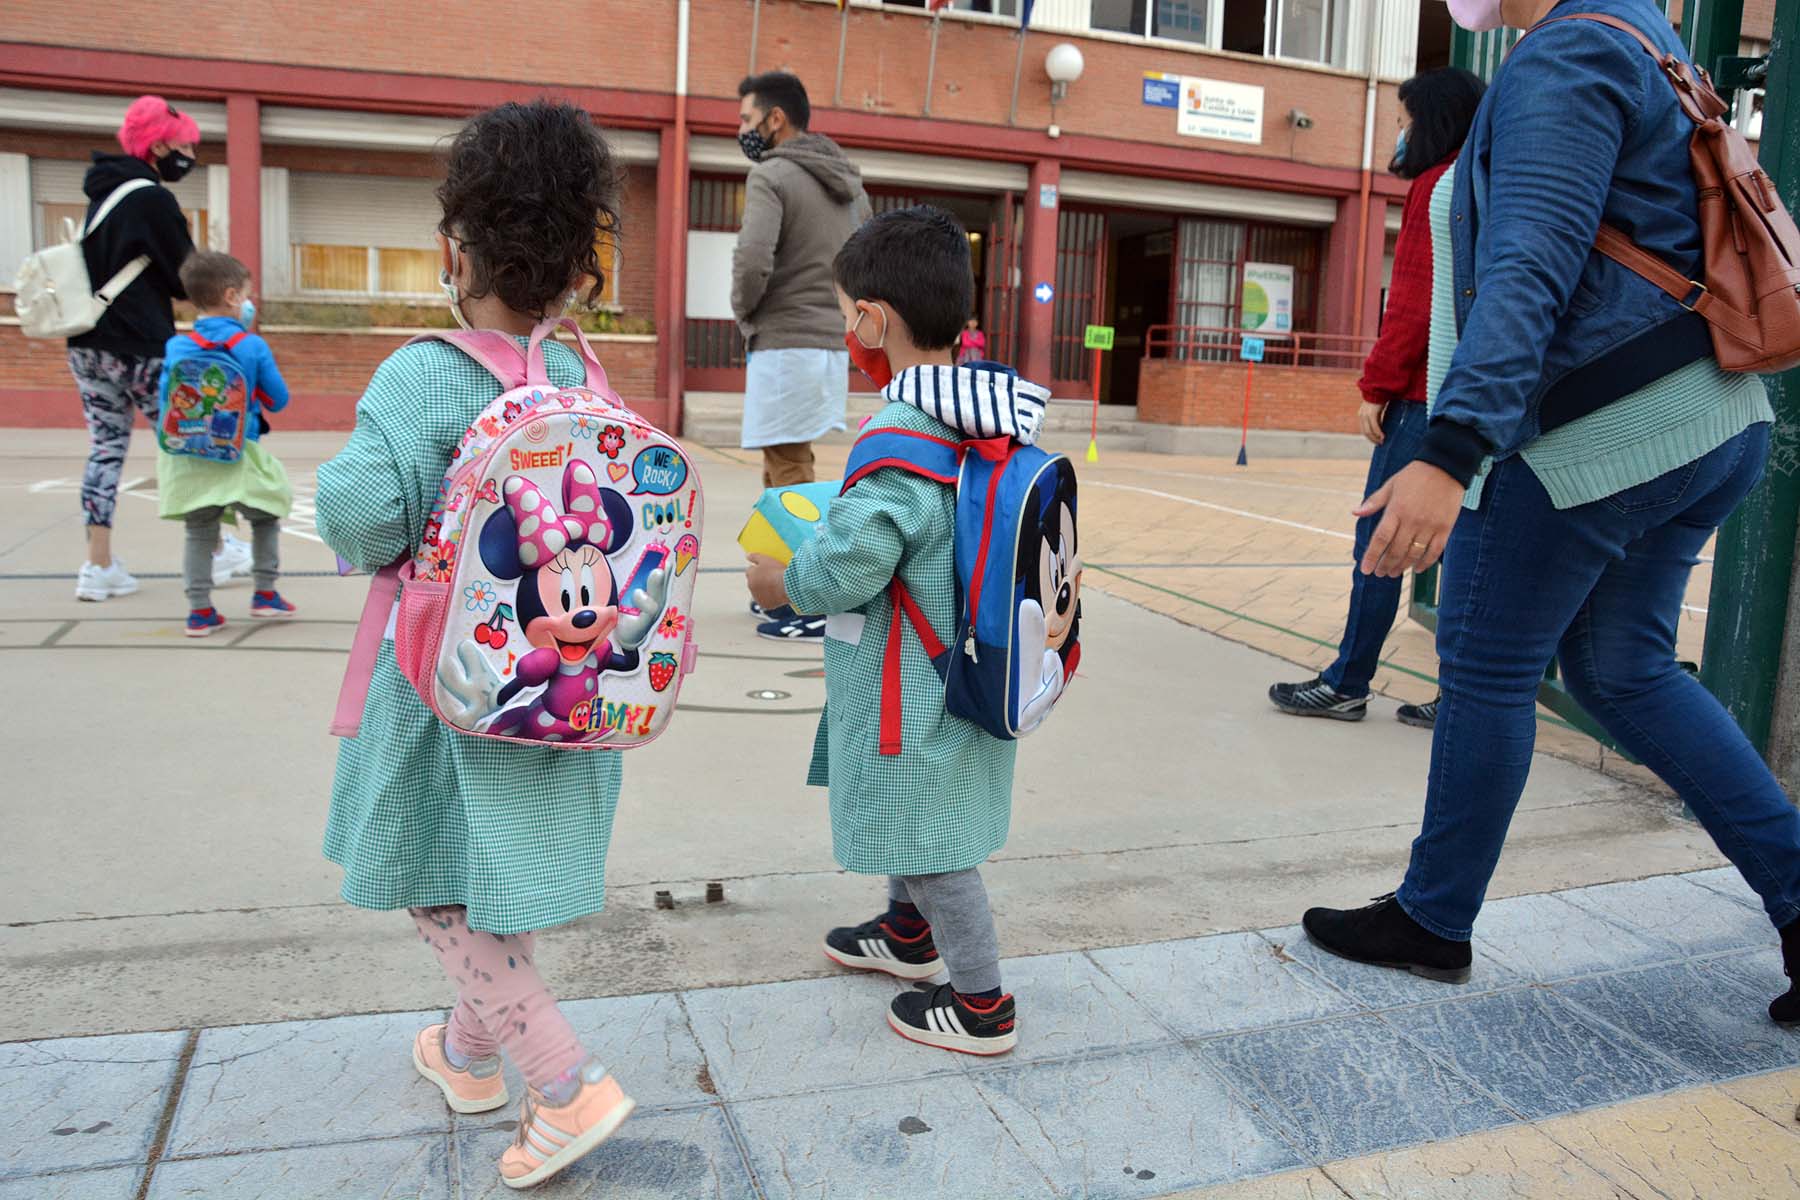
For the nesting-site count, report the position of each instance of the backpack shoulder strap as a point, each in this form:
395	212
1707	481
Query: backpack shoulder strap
225	345
112	201
935	458
365	648
499	354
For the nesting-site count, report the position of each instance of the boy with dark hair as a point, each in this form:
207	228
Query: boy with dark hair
928	812
200	491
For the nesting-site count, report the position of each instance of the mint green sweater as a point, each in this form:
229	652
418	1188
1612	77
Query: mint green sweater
1661	426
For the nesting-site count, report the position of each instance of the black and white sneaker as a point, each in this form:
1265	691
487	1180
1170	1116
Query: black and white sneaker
874	946
1419	716
794	629
1316	698
939	1017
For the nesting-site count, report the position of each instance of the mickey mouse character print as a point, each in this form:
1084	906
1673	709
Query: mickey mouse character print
1049	579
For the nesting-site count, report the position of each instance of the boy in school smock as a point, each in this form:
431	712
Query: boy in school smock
929	816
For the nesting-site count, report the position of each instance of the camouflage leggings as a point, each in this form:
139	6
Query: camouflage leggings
113	390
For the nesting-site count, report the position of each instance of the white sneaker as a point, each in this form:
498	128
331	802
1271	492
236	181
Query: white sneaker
103	583
233	561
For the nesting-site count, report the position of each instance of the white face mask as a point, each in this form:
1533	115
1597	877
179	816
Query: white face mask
1477	16
447	281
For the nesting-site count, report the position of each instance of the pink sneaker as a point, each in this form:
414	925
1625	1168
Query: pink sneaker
550	1139
478	1088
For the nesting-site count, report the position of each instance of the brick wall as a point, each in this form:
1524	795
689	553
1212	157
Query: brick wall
628	44
887	54
1297	398
325	372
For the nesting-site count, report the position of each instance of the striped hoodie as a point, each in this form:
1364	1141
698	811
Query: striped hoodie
978	400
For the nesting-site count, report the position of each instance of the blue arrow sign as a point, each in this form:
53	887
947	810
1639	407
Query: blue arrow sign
1044	293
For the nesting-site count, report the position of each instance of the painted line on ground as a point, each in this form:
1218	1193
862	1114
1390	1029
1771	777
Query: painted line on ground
1235	512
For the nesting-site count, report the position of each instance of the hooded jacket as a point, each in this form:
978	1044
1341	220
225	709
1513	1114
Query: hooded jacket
802	203
141	319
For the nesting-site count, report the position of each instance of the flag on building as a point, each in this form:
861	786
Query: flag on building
1025	7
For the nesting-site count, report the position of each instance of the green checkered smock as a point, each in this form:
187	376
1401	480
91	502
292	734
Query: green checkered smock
945	802
421	815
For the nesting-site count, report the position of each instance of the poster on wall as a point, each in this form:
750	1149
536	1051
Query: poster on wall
1231	112
1268	303
709	275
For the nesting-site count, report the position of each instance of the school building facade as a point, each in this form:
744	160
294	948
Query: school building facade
1217	165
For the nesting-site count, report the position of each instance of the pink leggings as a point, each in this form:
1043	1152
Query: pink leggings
501	999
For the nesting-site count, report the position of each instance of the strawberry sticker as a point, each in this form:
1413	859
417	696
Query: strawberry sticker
662	670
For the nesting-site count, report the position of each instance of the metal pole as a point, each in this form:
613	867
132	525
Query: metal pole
755	28
837	92
1753	564
937	18
1012	117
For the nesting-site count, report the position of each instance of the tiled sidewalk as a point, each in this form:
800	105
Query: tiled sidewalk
1141	1071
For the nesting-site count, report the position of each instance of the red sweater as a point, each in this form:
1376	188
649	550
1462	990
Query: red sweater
1395	369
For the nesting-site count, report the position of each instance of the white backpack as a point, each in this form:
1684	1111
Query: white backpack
56	299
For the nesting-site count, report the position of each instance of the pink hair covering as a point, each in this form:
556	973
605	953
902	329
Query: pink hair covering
150	120
543	533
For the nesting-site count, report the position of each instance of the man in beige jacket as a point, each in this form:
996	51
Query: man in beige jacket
803	200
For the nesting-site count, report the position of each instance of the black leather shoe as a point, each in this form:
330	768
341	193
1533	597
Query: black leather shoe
1382	935
1785	1010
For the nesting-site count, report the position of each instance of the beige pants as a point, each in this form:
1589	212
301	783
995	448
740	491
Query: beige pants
786	465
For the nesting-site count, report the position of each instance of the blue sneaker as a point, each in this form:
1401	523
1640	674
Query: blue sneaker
270	604
202	621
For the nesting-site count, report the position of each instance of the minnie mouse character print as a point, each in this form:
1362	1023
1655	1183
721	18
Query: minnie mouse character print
567	606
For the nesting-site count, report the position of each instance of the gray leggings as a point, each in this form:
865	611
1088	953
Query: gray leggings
203	537
962	924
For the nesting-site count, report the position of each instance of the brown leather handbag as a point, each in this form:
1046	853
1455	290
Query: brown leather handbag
1751	294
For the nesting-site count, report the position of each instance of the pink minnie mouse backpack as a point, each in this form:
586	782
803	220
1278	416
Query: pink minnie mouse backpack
550	597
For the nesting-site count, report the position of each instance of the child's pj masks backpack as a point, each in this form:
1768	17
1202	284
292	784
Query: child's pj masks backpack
1018	579
205	403
550	599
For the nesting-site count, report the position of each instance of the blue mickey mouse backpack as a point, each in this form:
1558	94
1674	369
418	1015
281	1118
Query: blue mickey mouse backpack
1018	579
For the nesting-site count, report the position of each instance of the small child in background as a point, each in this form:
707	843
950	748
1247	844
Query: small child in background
483	841
972	345
201	492
930	815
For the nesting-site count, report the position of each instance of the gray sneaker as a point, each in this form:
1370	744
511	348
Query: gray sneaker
1316	698
1419	716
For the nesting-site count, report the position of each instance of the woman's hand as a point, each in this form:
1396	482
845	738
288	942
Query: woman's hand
1369	417
768	581
1421	505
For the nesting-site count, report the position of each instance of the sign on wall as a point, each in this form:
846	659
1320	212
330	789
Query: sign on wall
1268	302
1162	90
1231	112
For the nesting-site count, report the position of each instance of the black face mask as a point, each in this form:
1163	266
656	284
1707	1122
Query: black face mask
755	143
173	165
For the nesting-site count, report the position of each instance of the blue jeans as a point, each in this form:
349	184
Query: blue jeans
1599	586
1375	601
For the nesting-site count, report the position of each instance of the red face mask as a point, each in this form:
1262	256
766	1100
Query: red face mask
870	360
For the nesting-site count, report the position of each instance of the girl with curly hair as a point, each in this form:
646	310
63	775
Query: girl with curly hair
484	842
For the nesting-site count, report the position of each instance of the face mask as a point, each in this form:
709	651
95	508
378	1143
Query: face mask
1476	16
870	360
1400	146
173	165
247	313
754	143
448	284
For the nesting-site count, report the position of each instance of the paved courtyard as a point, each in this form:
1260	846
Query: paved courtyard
182	986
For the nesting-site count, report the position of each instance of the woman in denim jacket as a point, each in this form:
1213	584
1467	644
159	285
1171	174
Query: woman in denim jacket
1584	447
